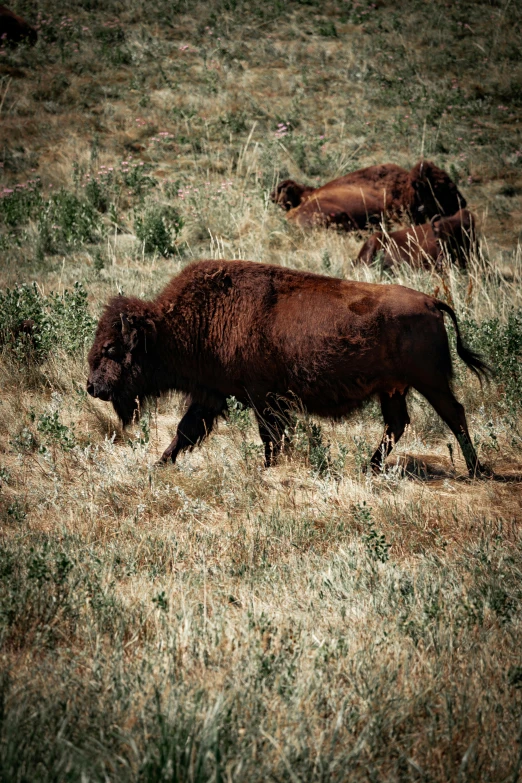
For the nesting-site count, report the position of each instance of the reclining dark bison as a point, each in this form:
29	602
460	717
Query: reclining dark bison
270	335
14	29
427	245
370	195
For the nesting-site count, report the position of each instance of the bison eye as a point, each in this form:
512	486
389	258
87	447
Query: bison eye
111	351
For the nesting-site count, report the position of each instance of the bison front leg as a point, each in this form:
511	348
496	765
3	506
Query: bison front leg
395	415
195	425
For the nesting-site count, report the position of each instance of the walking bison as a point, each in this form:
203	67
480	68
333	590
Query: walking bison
424	246
269	336
370	195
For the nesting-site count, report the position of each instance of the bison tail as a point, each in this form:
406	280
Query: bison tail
469	357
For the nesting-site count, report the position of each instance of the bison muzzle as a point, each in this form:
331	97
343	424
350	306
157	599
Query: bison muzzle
269	336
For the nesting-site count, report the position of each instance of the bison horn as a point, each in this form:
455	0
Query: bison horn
434	219
125	325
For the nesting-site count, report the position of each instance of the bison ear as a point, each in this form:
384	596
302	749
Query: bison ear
426	170
421	174
149	332
136	330
129	331
146	333
126	325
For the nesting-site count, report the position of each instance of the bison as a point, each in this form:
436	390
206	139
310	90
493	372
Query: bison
370	195
14	29
269	336
424	246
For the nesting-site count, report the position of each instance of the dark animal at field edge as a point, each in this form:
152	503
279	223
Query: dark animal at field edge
22	332
425	246
271	336
14	29
368	196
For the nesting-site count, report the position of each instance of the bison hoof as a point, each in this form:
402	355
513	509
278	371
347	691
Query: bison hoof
165	459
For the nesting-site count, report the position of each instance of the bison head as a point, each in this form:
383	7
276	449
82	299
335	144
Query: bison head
120	367
289	194
458	233
434	192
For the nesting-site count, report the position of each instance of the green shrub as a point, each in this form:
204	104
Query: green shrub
377	547
72	324
32	325
308	439
158	229
19	204
137	178
235	121
309	154
501	343
14	513
238	415
110	33
327	29
97	195
65	221
54	432
44	593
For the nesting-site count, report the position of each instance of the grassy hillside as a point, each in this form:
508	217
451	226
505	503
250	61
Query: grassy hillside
216	621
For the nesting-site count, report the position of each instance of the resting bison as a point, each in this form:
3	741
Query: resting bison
423	246
369	195
14	29
269	335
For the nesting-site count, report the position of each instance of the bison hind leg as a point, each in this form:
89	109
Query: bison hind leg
196	424
395	415
453	414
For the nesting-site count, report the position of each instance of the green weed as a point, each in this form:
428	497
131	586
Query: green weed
238	415
501	343
376	545
158	228
53	431
32	324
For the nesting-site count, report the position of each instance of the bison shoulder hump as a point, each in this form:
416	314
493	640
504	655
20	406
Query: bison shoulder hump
219	280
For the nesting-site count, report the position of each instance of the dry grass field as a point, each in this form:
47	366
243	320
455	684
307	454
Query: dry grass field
215	620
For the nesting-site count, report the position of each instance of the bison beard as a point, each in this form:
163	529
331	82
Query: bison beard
268	336
126	408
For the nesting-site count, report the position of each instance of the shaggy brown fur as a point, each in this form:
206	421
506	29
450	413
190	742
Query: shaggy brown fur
369	195
423	246
269	335
14	29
